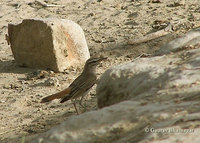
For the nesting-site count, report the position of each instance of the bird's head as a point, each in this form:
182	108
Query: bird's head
91	63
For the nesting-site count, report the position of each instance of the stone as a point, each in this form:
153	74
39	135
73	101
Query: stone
190	38
53	44
151	78
106	125
129	80
127	121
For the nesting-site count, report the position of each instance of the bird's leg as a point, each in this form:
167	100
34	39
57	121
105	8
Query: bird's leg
80	102
74	103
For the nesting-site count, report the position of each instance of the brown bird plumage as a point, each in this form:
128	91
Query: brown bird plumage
58	95
80	86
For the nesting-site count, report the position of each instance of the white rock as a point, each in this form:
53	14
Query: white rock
54	44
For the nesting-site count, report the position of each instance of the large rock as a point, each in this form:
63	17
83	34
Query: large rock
128	121
107	125
161	77
54	44
190	38
125	122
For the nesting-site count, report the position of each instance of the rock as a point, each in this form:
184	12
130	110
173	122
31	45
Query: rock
126	81
54	44
51	81
164	87
128	121
156	78
39	74
106	125
190	38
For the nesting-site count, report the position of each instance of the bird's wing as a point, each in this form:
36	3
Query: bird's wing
79	88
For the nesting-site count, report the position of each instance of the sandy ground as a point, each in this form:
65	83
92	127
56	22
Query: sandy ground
107	24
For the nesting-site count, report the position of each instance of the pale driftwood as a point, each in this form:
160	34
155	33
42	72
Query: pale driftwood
141	56
43	4
152	36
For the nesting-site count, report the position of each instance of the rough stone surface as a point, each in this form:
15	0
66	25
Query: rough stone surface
54	44
190	38
160	77
128	121
106	125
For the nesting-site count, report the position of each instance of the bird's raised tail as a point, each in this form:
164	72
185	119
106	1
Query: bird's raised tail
58	95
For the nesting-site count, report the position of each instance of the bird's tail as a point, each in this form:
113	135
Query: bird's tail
58	95
66	98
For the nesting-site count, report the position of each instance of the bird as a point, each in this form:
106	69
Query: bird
80	86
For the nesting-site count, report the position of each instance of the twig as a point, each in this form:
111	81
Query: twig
47	5
142	55
7	39
152	36
196	68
